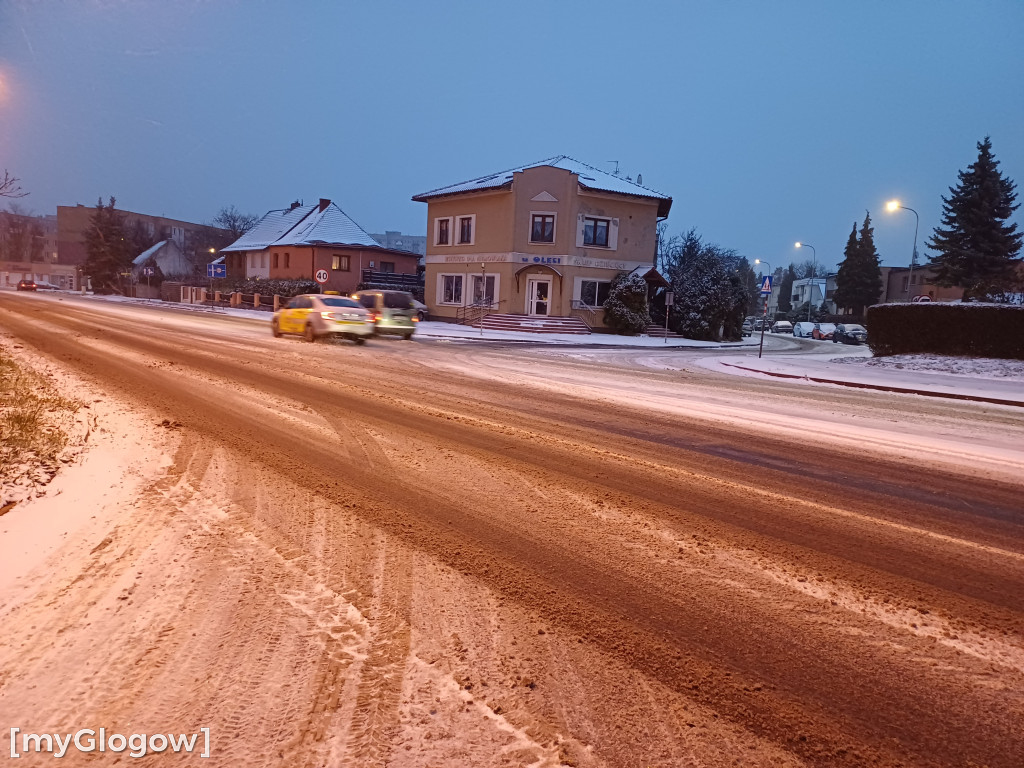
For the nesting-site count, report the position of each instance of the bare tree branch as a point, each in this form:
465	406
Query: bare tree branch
9	186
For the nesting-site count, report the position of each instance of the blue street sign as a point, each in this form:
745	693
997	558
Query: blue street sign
216	270
766	285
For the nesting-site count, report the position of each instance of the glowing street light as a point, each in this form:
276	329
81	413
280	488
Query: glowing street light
810	285
893	206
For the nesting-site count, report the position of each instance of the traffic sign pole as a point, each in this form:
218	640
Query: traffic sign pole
766	291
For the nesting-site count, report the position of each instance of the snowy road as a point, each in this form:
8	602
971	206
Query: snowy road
443	554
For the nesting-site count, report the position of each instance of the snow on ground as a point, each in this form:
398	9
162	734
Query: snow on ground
66	519
958	366
438	330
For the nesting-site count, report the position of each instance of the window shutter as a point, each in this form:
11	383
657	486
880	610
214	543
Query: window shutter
613	234
579	230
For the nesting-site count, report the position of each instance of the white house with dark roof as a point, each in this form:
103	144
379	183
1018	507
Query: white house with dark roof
538	241
295	242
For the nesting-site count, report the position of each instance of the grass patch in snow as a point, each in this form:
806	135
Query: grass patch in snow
34	424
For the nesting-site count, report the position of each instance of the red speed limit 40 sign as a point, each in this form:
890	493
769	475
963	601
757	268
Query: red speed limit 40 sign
321	276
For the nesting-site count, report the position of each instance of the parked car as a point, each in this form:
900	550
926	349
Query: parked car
748	328
760	323
27	285
823	331
422	313
782	326
803	330
393	312
316	315
850	333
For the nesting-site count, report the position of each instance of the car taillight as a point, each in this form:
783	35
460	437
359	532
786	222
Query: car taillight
372	316
328	316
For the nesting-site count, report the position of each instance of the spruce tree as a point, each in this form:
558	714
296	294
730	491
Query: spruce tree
785	290
976	249
108	251
859	280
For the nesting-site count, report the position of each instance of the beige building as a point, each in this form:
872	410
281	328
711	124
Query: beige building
543	240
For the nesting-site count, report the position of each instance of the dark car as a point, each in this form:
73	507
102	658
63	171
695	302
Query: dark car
27	285
850	333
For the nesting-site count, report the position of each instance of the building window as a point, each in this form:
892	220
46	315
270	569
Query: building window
542	228
387	266
594	293
340	263
443	231
466	229
451	289
275	261
595	232
483	289
287	259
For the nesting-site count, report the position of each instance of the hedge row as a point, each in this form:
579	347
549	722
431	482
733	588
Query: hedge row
974	330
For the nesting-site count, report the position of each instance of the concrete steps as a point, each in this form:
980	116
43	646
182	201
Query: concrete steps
658	331
534	324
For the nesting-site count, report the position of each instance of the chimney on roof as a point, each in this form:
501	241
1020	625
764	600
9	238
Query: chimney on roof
295	205
324	202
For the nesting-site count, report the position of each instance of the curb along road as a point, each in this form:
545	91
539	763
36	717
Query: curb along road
882	387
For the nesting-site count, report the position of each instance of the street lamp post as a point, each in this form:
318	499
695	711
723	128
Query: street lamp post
895	205
810	285
764	316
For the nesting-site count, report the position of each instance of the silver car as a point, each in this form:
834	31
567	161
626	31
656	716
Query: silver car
315	315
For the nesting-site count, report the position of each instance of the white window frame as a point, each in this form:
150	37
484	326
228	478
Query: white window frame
472	229
440	289
554	228
474	277
613	232
577	287
437	231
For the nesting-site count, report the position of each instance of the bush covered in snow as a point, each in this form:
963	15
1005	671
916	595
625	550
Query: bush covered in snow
975	330
625	309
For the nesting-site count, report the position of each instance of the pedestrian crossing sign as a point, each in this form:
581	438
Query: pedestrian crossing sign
766	285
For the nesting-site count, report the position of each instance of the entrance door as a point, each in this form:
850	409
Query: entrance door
538	296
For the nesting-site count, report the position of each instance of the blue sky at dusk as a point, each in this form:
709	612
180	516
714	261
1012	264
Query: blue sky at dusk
766	122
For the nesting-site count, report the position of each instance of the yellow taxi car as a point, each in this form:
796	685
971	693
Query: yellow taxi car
315	316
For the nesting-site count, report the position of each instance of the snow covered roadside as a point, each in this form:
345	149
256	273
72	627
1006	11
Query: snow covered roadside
114	456
987	368
435	330
955	378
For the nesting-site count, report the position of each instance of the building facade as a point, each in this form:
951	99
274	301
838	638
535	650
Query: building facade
402	242
194	240
294	243
28	251
541	240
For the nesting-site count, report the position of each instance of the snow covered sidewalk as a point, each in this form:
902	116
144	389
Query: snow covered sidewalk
989	381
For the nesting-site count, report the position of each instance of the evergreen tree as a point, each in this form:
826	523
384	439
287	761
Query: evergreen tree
785	290
976	249
625	309
859	280
704	290
108	248
751	294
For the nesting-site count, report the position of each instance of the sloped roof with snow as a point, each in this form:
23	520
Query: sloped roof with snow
589	178
303	225
330	226
142	257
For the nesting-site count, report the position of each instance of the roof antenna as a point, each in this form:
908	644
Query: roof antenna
616	171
